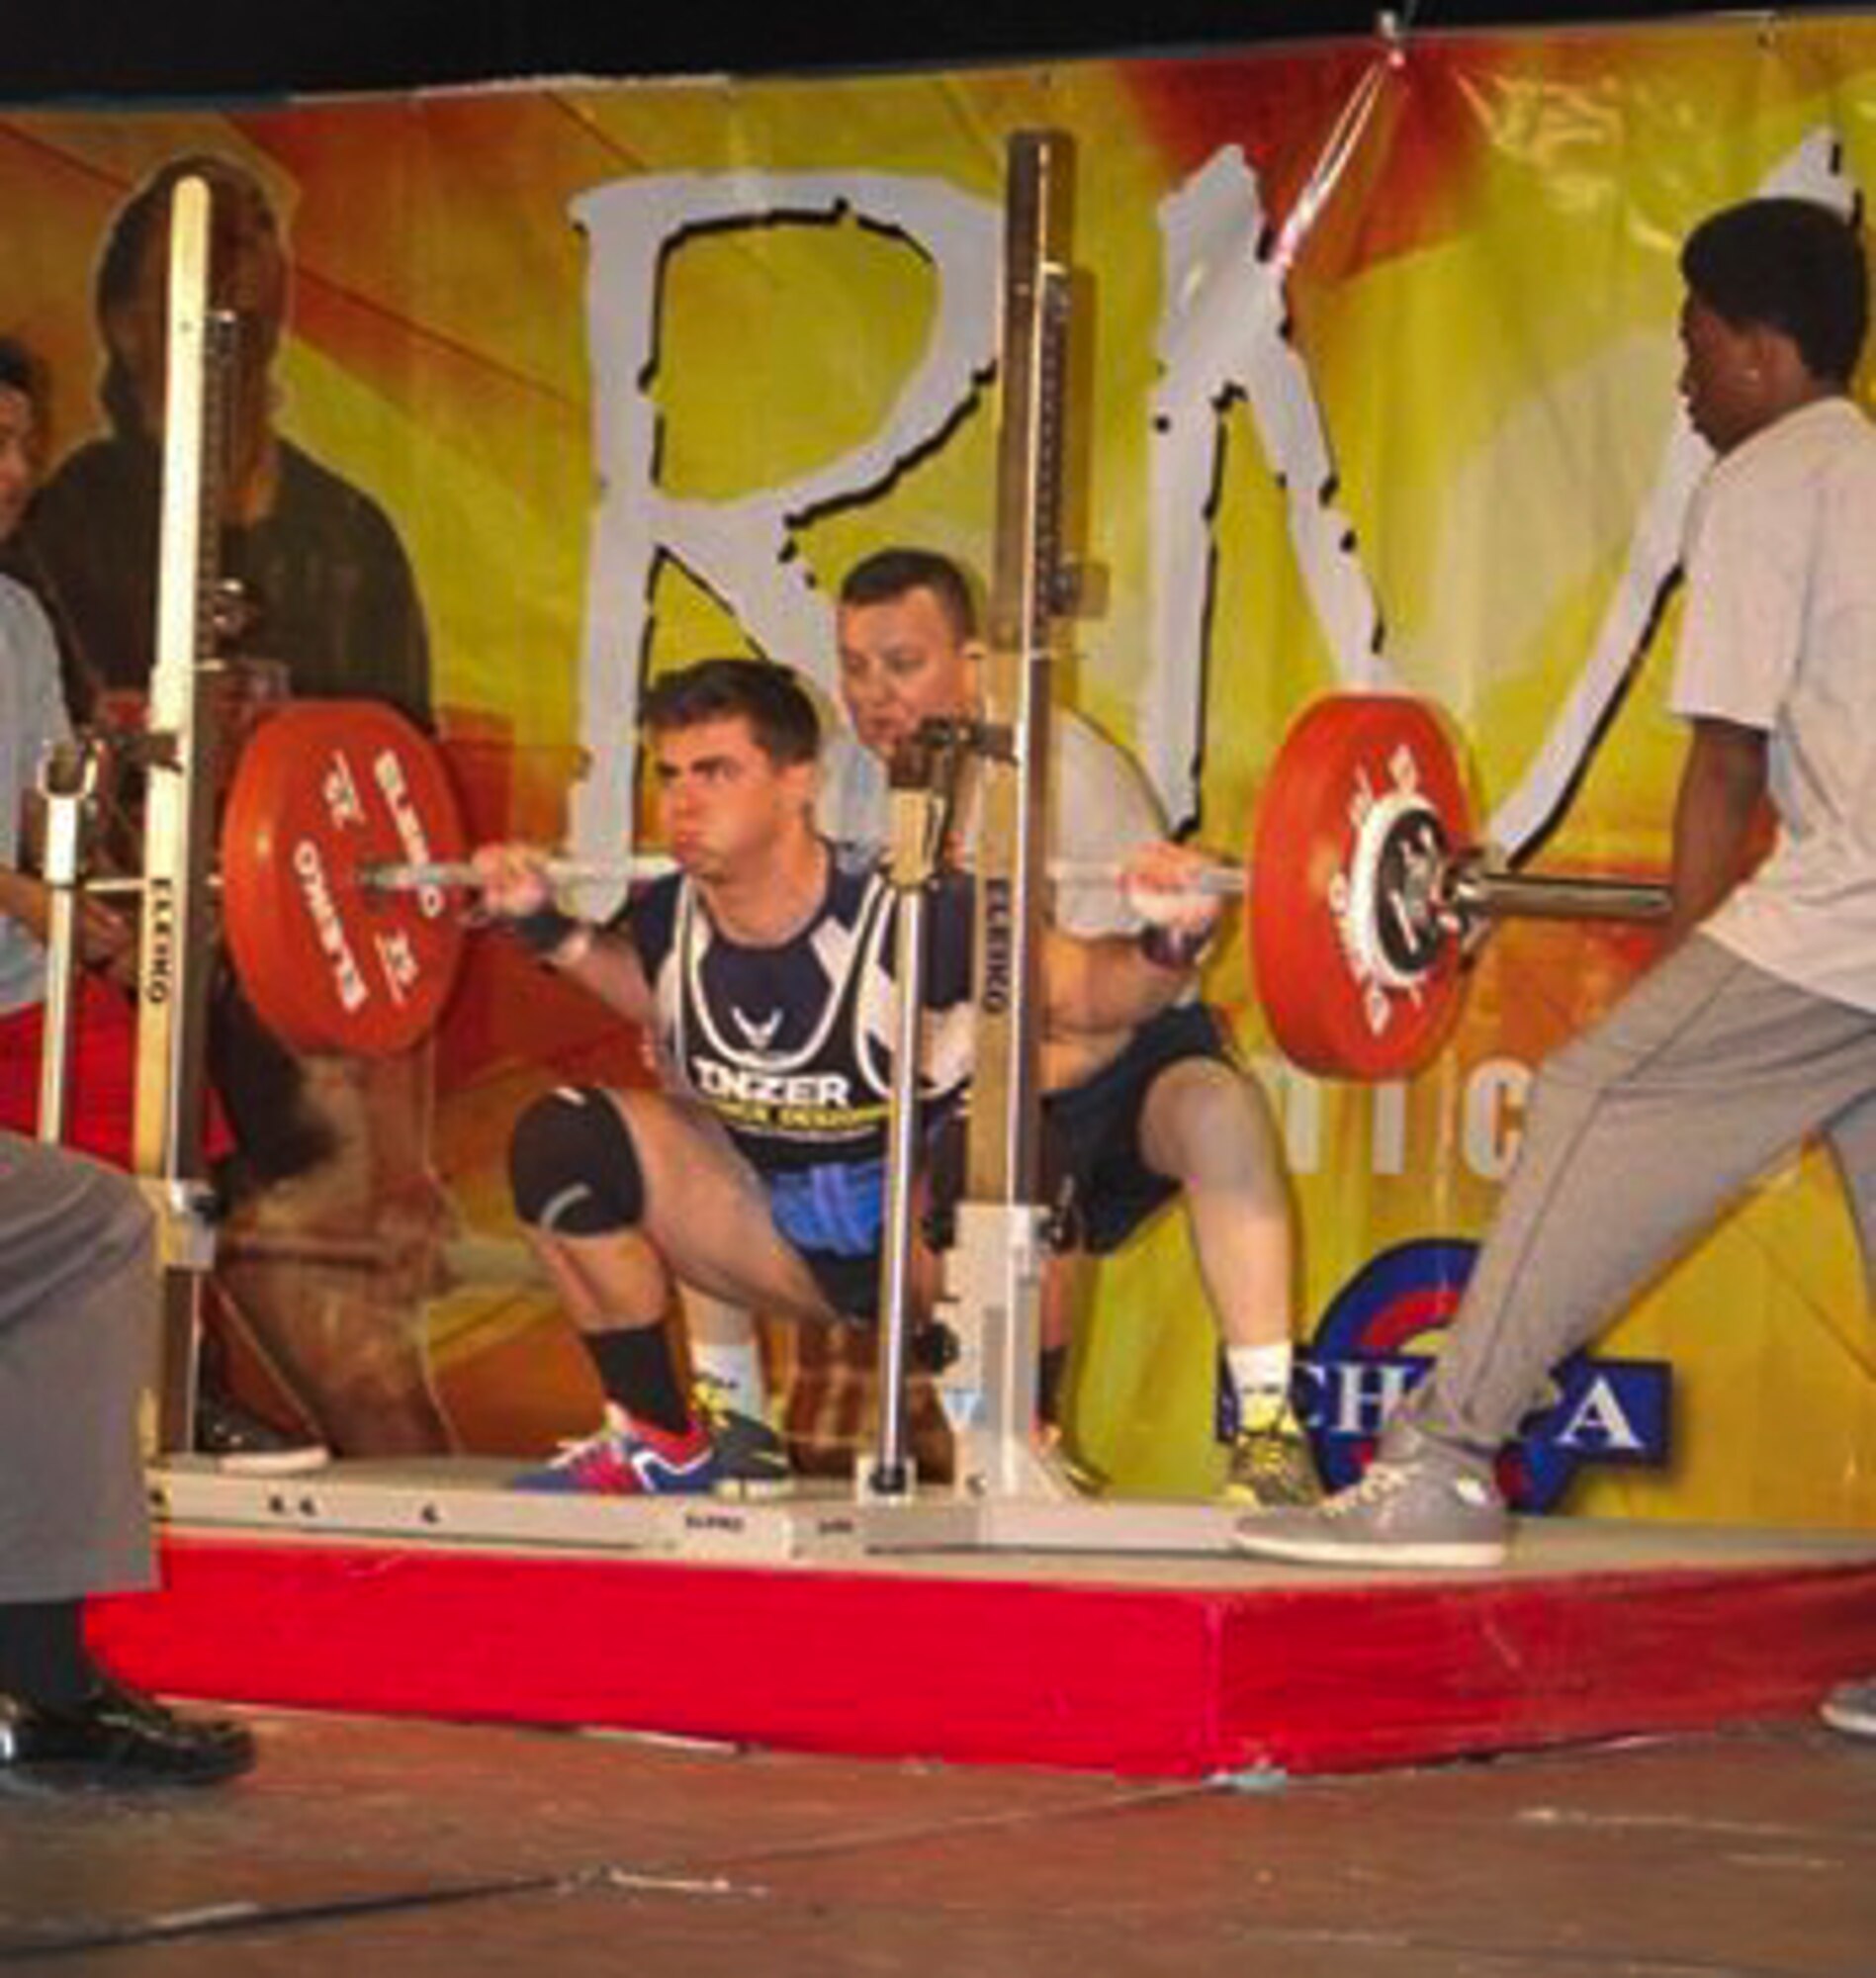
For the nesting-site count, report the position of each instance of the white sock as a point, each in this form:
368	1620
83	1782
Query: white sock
736	1367
1261	1376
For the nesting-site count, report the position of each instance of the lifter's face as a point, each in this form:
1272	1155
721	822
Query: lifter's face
18	457
1724	375
901	662
721	800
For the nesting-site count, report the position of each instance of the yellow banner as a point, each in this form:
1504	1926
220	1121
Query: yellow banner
1375	387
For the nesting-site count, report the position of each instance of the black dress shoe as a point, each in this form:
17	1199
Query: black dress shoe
117	1736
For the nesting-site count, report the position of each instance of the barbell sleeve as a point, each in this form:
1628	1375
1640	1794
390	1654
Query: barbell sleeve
1481	892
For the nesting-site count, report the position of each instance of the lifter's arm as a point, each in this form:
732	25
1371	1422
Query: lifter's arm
1108	984
1722	786
1117	981
513	887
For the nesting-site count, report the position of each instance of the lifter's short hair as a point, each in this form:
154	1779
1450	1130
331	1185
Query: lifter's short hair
768	697
1787	264
889	574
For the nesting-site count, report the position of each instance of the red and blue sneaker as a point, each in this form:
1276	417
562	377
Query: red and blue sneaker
628	1457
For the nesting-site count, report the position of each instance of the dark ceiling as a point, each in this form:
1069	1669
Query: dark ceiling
216	47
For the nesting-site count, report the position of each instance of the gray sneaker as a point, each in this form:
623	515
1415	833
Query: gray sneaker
1851	1708
1419	1504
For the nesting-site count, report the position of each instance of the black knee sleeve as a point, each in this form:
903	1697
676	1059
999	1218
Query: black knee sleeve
572	1169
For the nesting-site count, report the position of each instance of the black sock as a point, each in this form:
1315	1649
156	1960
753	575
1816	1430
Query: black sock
42	1657
636	1371
1051	1364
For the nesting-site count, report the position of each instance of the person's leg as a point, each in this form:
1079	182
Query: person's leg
623	1195
100	1102
692	1197
42	1653
1063	1272
1851	1706
1059	1304
725	1353
1173	1115
1638	1134
729	1387
78	1316
76	1312
1207	1127
1851	1137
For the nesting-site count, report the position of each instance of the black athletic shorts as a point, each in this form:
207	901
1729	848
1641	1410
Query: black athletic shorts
1099	1188
1095	1179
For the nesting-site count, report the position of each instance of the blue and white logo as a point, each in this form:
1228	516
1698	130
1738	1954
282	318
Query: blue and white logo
1381	1333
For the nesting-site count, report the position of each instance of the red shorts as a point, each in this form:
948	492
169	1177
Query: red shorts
101	1096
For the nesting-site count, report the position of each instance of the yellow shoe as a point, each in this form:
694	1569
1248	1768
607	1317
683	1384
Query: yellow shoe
1080	1477
1271	1464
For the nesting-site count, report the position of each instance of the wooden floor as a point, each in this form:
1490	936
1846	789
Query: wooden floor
445	1851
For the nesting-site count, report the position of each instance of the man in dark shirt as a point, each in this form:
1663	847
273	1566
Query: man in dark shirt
325	596
327	589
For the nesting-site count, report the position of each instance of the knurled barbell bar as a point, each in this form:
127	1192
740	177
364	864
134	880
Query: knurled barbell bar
342	844
394	876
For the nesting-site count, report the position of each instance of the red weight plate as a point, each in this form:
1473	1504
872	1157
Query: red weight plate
323	788
1328	1009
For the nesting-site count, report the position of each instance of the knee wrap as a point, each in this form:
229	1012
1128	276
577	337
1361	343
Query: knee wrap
572	1169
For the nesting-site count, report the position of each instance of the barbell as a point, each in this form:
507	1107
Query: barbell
404	875
342	849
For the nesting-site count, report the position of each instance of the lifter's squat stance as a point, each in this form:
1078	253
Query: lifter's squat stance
763	970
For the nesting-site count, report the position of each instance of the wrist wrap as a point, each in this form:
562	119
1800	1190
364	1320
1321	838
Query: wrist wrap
1174	947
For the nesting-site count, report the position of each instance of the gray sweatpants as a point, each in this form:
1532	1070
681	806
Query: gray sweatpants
1638	1134
77	1312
